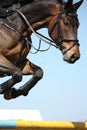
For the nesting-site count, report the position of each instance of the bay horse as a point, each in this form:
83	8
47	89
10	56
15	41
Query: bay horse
59	17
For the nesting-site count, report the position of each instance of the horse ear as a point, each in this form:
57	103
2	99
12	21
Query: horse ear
77	5
68	4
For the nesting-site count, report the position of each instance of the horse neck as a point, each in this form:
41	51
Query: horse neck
39	13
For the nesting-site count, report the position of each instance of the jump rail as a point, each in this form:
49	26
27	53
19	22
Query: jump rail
41	125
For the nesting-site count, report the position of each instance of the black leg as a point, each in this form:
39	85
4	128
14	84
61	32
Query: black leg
23	90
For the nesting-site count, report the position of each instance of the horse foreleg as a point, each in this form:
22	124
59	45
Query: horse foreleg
6	67
37	73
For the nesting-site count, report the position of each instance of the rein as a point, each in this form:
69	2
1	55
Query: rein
40	36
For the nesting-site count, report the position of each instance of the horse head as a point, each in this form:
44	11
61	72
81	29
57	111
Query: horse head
63	30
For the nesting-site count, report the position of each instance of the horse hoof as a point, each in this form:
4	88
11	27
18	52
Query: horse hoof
7	95
23	92
10	94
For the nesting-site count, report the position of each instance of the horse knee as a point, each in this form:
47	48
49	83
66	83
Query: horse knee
17	76
39	74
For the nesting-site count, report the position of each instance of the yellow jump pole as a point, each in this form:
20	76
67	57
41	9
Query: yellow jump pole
50	125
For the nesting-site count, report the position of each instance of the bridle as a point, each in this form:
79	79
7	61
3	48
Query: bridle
60	37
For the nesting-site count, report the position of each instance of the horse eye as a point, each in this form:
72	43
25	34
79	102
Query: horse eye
66	23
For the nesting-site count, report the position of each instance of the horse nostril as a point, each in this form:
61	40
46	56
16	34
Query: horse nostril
73	58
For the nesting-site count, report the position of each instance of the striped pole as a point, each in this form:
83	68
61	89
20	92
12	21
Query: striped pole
41	125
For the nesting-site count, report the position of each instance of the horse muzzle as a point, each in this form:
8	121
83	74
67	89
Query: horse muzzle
71	59
72	53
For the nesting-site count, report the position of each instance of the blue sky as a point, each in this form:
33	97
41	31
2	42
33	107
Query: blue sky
62	93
